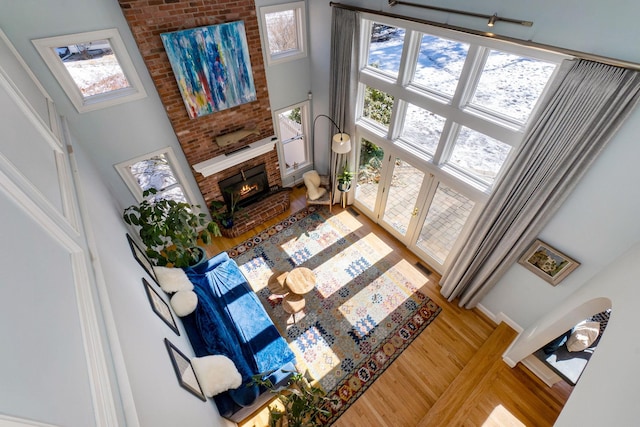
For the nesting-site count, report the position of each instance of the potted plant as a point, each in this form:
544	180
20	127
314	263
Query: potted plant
225	217
170	230
344	178
299	402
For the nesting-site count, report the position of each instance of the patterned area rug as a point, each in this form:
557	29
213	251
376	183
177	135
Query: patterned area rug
366	308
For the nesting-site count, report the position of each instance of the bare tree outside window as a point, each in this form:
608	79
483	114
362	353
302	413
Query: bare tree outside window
284	30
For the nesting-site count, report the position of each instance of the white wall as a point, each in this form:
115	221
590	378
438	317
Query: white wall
53	367
110	135
157	396
42	364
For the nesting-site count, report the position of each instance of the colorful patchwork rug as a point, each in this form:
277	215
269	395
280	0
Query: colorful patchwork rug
367	306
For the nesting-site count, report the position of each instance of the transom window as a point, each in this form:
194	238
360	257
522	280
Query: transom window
284	32
93	68
460	100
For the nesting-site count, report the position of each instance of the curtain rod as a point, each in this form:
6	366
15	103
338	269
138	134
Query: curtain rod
492	19
582	55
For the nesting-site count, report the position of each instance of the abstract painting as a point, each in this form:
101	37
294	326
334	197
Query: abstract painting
212	67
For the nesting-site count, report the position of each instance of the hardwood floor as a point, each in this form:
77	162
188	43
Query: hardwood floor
451	375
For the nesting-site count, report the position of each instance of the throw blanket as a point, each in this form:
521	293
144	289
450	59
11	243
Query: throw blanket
231	305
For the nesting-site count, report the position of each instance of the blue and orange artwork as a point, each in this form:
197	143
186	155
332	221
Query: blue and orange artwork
212	67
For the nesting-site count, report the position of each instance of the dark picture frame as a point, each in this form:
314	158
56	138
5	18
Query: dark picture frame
184	371
160	307
548	263
141	257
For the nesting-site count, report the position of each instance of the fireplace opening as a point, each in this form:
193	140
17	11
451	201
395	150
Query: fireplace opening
246	187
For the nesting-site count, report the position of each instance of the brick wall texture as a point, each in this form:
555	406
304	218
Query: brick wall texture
147	20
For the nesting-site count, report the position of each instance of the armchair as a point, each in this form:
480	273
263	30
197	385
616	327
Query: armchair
318	189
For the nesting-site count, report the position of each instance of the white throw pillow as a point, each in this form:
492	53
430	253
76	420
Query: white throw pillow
172	279
184	302
583	335
216	374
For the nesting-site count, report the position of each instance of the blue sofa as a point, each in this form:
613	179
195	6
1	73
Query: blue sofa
230	320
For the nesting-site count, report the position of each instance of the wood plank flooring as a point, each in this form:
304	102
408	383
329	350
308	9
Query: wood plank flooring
451	375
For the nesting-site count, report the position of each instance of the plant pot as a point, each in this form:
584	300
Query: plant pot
226	222
202	256
344	186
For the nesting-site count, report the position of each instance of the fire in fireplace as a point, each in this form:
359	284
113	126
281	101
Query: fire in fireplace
247	187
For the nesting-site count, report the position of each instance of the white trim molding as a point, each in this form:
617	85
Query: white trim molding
8	421
224	161
47	49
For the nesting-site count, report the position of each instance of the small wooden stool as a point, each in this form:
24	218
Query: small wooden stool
293	304
277	283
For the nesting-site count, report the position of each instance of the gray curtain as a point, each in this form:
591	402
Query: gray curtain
581	114
342	90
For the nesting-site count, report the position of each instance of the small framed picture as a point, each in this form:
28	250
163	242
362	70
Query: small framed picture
141	257
160	306
184	371
547	262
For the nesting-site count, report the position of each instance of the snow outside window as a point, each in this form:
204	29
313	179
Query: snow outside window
93	68
460	101
157	170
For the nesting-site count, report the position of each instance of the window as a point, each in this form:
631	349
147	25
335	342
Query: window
93	68
284	31
157	170
293	125
460	101
439	115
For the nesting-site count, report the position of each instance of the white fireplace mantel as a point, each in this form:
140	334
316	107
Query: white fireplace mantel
224	161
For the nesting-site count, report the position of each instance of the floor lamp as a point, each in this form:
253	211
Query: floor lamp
340	144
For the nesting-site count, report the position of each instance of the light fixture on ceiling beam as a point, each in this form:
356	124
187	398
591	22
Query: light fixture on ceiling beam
492	19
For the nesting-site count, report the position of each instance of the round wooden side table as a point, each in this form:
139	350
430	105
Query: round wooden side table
300	280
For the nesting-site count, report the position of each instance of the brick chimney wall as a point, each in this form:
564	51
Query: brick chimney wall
147	20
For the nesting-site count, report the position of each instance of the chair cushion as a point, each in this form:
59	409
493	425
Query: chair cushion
583	336
312	182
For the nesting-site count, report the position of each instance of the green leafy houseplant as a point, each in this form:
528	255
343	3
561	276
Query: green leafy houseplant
300	402
344	178
170	230
225	217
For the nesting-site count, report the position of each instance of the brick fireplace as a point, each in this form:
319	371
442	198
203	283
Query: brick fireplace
147	20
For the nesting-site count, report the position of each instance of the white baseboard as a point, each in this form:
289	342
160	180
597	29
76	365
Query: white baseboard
541	370
500	317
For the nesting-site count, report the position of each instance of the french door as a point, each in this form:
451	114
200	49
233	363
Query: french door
429	216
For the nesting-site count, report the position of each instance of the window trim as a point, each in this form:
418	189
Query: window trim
299	10
46	46
456	109
124	171
305	108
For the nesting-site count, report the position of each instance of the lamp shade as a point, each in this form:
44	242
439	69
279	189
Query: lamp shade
341	143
